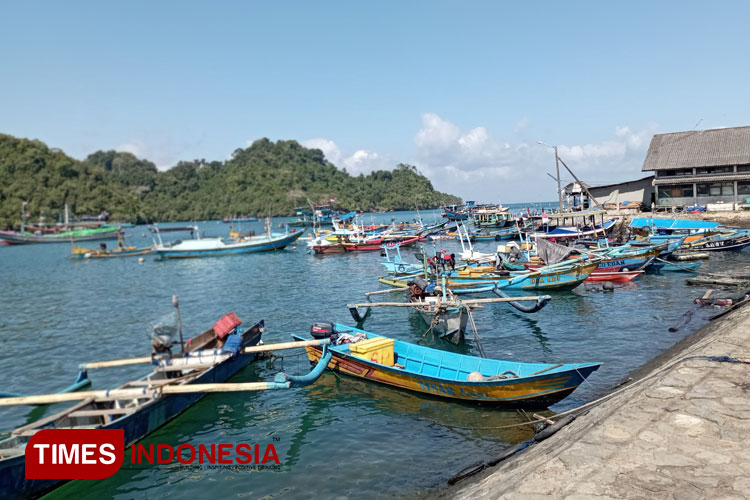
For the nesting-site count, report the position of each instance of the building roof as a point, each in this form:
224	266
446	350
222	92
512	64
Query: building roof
689	179
572	185
699	148
605	186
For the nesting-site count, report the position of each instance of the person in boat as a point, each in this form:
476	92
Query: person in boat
103	247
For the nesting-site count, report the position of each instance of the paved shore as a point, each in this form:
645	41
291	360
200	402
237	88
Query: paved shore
682	432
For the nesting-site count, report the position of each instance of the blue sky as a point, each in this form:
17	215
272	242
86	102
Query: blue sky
464	90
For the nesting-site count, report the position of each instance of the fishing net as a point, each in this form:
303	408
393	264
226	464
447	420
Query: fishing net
163	331
552	253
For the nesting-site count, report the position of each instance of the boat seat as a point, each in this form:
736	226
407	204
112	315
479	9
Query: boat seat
100	413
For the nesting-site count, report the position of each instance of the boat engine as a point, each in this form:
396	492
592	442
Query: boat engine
162	335
322	330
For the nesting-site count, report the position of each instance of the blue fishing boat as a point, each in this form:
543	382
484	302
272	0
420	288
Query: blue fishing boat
141	406
449	375
214	247
661	266
396	264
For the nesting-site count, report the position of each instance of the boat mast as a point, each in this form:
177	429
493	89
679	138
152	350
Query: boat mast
559	188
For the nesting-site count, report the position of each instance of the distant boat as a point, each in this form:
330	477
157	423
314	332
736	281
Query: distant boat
240	219
98	253
75	235
213	247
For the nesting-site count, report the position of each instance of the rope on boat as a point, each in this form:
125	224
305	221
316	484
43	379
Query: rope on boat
476	334
433	324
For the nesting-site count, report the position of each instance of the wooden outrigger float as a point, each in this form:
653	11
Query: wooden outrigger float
450	375
141	406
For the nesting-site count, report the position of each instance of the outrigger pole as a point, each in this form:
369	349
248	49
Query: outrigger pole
281	381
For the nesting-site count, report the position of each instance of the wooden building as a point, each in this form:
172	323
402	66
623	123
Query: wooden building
700	167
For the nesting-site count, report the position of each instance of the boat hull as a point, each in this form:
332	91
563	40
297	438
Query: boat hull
614	277
233	249
98	254
449	325
538	391
14	238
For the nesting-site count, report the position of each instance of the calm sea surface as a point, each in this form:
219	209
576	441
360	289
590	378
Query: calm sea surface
340	437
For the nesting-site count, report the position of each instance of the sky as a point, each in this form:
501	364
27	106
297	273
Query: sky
463	90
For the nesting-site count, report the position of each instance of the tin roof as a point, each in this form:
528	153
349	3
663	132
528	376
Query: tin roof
699	148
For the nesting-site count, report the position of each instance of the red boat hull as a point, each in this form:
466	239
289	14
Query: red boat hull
615	277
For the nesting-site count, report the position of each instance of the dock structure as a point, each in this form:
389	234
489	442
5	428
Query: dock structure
679	430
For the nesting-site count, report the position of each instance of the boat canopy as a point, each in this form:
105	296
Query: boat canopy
587	213
672	223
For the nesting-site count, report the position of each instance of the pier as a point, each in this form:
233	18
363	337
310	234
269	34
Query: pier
679	429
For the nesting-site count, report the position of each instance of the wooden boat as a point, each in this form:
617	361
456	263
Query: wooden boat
614	277
450	375
97	253
733	241
320	246
684	267
138	415
141	406
396	264
75	235
563	276
229	220
214	247
574	225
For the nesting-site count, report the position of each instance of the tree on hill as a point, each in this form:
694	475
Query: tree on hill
264	178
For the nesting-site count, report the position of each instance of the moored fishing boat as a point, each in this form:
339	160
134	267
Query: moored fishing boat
214	247
450	375
138	415
103	253
728	241
98	253
141	406
574	225
74	235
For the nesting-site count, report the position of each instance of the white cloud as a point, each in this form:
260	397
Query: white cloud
129	148
161	158
361	161
329	148
476	165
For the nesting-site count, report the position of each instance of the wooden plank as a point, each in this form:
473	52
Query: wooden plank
286	345
102	413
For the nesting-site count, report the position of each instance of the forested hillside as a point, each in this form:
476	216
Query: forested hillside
265	178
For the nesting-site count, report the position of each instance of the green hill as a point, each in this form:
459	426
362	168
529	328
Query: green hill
265	178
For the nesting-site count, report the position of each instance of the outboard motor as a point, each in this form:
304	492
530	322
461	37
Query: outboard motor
162	335
322	330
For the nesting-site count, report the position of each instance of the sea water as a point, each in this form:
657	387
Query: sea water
341	437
